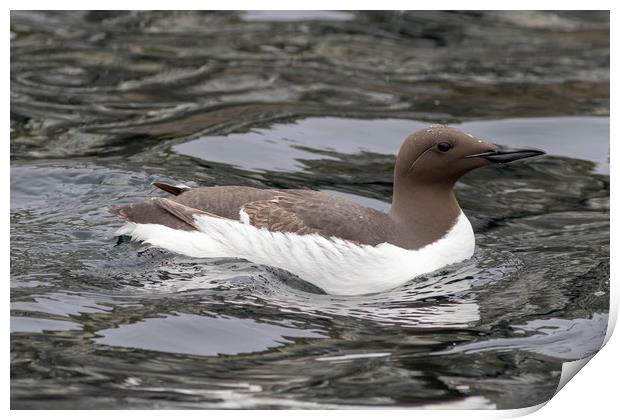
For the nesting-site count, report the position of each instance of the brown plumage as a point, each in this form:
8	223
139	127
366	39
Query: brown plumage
423	209
299	211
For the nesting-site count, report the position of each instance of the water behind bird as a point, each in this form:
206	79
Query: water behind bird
98	322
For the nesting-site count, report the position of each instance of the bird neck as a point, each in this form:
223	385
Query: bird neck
423	213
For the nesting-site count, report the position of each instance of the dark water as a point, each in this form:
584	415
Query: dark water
103	103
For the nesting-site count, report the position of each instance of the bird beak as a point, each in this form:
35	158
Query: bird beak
503	154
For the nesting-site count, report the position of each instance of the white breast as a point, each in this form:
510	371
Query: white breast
335	265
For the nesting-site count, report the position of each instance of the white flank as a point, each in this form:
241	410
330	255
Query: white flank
335	265
244	217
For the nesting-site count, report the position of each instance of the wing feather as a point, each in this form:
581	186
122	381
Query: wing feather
184	213
308	212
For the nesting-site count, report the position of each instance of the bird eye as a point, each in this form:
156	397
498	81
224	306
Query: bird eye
444	146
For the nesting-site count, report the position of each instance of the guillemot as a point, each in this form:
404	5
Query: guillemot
340	246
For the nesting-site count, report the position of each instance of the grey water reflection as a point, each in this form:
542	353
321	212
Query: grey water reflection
287	146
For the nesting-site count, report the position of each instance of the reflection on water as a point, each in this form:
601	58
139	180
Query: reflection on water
37	325
288	146
201	335
295	15
104	103
117	82
569	339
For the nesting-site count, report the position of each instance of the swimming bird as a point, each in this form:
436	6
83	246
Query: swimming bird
340	246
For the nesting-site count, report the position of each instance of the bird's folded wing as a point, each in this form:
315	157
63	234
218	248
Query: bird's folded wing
280	214
180	211
310	212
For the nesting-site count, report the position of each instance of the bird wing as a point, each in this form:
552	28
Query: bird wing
161	211
172	189
279	214
306	212
296	211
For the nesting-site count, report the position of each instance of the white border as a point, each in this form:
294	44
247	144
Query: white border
591	395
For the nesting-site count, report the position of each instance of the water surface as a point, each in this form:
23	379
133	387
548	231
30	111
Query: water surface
104	103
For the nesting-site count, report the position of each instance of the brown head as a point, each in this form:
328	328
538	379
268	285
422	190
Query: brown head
440	155
429	163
